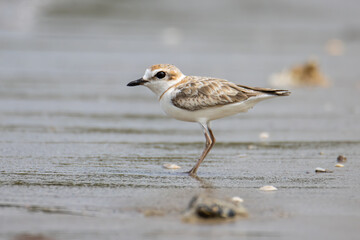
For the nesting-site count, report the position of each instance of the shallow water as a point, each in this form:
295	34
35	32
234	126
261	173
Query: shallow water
81	154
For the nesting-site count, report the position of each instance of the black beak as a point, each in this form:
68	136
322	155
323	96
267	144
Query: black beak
136	82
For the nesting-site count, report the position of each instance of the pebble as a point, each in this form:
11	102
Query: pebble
341	159
339	165
268	188
210	209
322	170
171	166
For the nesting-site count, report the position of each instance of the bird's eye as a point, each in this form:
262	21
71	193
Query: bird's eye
160	74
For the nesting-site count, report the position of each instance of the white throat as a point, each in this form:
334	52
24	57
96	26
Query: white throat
160	86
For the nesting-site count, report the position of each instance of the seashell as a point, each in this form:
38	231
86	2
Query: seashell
251	147
322	170
237	199
268	188
319	169
264	135
339	165
171	166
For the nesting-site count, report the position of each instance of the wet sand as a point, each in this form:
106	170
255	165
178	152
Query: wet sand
81	154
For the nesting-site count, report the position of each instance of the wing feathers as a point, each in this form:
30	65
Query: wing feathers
277	92
198	93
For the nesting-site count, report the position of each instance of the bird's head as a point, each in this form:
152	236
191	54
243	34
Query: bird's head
159	78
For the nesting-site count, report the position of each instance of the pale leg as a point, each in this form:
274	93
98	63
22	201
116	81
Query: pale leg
210	142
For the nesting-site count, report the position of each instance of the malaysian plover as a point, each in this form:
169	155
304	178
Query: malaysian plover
201	99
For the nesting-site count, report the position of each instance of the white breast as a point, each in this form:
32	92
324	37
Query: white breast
206	115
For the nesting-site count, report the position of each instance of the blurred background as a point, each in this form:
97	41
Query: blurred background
74	139
77	56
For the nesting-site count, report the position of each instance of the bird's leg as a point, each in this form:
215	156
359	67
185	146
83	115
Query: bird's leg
210	141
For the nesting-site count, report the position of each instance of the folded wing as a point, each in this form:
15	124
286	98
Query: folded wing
198	93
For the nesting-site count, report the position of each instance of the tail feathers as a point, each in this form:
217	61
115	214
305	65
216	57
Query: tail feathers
276	92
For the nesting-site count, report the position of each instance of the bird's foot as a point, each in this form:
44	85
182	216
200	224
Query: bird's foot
192	172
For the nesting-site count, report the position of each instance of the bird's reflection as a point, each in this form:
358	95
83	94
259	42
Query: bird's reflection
204	184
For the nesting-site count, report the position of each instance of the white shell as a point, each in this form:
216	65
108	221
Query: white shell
339	165
322	170
237	199
251	147
268	188
171	166
264	135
